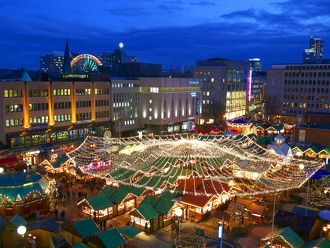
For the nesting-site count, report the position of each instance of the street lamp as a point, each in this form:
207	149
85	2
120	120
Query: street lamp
178	213
21	230
2	170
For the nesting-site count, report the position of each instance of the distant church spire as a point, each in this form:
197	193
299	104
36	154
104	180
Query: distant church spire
67	59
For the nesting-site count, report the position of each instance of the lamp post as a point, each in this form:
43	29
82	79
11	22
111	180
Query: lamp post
178	213
21	230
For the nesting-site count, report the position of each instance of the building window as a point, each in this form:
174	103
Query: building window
12	93
14	122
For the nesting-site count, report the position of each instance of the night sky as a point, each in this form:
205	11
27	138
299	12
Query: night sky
170	32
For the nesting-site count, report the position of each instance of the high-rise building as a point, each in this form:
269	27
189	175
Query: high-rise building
117	56
52	64
255	64
296	89
224	88
315	51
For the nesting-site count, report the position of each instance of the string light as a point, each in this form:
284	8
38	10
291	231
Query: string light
160	162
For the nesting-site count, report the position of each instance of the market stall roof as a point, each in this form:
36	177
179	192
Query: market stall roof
108	191
163	206
8	160
196	200
59	161
147	211
47	225
99	202
111	238
129	231
320	174
302	211
169	195
287	235
120	194
79	245
325	214
300	224
137	191
150	199
18	220
319	243
85	228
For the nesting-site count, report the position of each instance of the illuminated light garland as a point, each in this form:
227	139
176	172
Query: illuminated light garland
161	160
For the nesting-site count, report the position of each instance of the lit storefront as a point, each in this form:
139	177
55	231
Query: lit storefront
54	135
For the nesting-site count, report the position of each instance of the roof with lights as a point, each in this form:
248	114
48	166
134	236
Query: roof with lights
192	164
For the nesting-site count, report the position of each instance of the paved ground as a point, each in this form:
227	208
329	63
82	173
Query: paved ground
144	240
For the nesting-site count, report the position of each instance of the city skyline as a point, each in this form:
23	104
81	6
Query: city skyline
276	31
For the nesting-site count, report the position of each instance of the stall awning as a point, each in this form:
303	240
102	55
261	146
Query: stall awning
111	238
147	211
129	231
85	228
163	206
99	202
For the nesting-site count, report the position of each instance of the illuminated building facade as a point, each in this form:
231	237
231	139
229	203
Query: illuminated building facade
224	86
125	104
296	89
315	51
38	113
255	64
257	91
169	104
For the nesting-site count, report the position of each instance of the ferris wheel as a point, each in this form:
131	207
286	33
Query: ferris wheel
85	63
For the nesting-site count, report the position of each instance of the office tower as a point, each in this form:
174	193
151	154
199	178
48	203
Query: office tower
255	64
224	84
296	89
52	64
315	51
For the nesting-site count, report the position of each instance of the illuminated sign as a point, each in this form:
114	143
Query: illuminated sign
220	227
74	75
193	82
249	86
193	94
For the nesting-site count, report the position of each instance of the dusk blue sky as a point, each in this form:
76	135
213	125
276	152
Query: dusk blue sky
176	32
